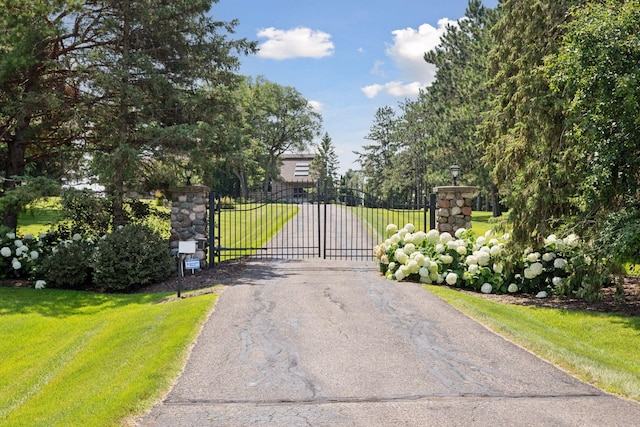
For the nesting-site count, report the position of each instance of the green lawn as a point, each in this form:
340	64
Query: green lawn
602	349
83	359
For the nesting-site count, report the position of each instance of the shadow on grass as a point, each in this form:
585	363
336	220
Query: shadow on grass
62	303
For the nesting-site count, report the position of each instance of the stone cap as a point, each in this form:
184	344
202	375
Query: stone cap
454	189
192	189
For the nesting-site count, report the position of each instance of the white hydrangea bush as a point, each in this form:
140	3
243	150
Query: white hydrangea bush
20	256
477	263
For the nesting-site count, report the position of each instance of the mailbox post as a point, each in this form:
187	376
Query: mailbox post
184	248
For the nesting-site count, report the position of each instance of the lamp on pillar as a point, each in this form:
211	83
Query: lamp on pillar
188	173
455	171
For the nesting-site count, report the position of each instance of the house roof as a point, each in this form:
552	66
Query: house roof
296	168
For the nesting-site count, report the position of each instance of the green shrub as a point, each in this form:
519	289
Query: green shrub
70	264
131	257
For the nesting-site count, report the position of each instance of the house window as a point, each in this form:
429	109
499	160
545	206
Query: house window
299	192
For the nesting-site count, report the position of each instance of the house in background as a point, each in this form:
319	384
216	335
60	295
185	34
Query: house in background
295	178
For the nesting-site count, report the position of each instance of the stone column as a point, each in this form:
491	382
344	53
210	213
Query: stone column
189	217
454	208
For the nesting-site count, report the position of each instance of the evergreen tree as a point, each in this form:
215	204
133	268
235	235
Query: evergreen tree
524	131
325	164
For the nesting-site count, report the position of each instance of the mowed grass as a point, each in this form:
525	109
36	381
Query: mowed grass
83	359
251	225
378	219
601	349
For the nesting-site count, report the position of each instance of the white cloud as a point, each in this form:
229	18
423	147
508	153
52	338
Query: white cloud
316	106
407	53
298	42
396	89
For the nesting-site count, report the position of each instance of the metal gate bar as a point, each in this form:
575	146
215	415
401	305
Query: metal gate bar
331	224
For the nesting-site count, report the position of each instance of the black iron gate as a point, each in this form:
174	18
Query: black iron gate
311	221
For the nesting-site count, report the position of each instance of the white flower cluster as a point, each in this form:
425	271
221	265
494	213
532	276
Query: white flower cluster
439	258
18	255
476	263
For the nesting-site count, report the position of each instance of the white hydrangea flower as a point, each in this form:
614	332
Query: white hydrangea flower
409	248
572	240
76	237
433	236
11	236
452	244
433	267
413	267
401	256
28	236
550	239
493	242
408	238
391	229
459	232
40	284
400	274
483	258
18	243
395	239
480	241
5	252
495	250
403	232
498	268
419	237
410	227
392	265
462	250
384	259
419	258
512	288
424	272
536	268
559	263
548	256
473	268
471	260
528	274
542	294
533	257
16	264
446	259
445	238
557	281
34	254
440	248
486	288
451	278
20	250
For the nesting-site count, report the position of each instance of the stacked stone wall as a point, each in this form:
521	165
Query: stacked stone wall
454	208
189	218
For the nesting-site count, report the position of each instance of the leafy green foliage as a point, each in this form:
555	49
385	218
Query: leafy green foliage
70	264
131	257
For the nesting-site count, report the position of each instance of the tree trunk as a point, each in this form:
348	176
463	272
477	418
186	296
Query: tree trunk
17	148
495	197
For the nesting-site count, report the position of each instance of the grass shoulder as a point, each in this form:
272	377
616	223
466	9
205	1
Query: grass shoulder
598	348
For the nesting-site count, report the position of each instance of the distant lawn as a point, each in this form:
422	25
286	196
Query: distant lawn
39	217
378	219
601	349
82	359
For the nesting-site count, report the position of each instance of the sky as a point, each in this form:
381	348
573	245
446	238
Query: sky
347	57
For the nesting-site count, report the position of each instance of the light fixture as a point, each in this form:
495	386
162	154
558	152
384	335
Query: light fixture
188	173
455	171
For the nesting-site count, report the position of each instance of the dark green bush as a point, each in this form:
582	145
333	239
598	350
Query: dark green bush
70	264
130	258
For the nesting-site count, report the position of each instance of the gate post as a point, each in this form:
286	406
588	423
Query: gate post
454	207
189	218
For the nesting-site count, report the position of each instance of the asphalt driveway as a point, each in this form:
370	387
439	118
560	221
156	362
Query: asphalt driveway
332	343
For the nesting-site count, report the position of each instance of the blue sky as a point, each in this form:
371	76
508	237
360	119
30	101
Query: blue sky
347	57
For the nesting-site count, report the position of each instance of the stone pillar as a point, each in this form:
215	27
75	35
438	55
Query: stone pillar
454	208
189	218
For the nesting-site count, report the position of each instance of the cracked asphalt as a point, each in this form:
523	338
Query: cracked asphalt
332	343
